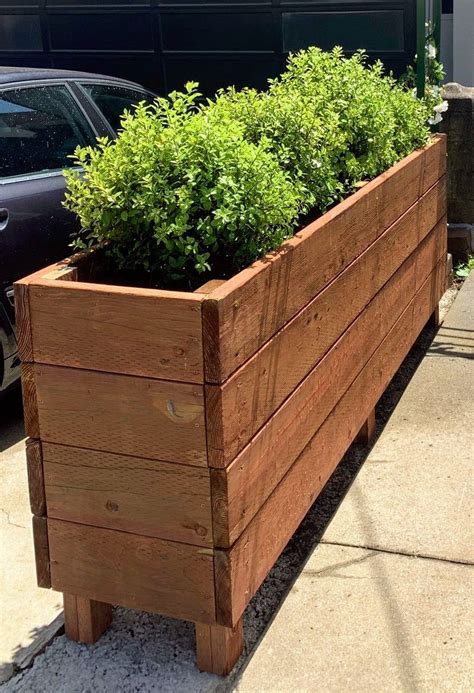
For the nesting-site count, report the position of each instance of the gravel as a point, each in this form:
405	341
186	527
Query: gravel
144	652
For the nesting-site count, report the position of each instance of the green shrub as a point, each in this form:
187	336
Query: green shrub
188	189
178	194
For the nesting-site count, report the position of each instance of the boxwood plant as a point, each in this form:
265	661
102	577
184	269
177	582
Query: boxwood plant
193	189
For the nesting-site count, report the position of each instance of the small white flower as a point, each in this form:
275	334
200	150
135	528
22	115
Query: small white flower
437	118
431	51
441	107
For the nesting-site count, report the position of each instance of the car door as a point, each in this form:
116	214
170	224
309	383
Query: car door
40	126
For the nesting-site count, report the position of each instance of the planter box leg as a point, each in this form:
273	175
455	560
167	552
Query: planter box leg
434	319
85	619
218	648
367	432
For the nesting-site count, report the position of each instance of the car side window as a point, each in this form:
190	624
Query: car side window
112	100
39	128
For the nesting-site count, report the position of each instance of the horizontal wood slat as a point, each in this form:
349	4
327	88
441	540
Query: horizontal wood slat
157	499
239	490
157	419
137	572
239	407
241	569
34	466
117	329
30	400
248	309
41	547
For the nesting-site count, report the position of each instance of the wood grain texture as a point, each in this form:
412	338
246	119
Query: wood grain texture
138	572
435	161
30	400
118	329
241	569
247	310
237	409
129	415
41	547
34	466
367	431
239	490
156	499
218	648
85	619
23	321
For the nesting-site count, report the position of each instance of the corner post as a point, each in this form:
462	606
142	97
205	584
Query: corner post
218	648
85	619
367	432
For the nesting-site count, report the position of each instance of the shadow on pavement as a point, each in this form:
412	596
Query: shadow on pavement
12	427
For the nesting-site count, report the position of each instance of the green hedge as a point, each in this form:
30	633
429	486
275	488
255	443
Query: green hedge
191	190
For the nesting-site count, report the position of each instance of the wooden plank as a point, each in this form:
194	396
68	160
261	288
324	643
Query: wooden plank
34	466
157	499
85	619
23	322
117	329
41	547
138	572
30	400
218	648
435	161
249	308
260	386
157	419
242	568
210	286
240	490
367	431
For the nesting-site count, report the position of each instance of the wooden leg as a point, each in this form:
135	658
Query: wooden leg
434	319
84	619
218	648
367	432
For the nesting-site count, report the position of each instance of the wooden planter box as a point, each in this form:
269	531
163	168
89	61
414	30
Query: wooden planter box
176	440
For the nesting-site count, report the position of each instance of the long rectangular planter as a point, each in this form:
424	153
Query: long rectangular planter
176	440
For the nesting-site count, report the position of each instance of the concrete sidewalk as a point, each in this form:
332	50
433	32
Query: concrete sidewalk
29	616
385	602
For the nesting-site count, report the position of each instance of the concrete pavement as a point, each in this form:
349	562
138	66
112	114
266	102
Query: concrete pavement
26	612
385	602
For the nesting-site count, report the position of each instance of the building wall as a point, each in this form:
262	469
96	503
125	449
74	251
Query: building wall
164	43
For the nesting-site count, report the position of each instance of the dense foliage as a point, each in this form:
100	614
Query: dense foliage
191	188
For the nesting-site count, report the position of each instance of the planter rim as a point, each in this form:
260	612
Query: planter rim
53	272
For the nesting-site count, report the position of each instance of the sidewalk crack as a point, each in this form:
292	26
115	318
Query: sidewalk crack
397	553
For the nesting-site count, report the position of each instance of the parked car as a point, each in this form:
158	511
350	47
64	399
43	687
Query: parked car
44	115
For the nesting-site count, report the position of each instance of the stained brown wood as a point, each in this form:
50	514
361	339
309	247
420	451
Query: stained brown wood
85	619
118	329
30	400
242	315
242	568
434	319
156	499
138	572
23	321
210	286
41	547
367	430
218	648
157	419
240	490
237	409
34	466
